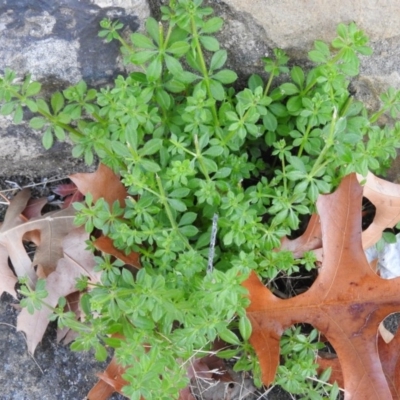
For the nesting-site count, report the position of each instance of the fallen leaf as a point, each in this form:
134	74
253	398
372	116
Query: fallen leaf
105	244
12	231
34	208
110	381
346	302
101	184
311	239
69	192
7	278
77	261
385	196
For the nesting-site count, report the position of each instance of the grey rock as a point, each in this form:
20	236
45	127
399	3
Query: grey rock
57	42
54	373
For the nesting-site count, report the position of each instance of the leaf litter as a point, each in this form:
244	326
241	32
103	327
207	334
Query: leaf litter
347	302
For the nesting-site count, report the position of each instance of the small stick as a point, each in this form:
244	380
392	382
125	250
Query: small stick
214	229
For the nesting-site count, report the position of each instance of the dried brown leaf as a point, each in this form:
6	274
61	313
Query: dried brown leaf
110	381
101	184
346	303
77	261
105	244
385	196
7	278
310	240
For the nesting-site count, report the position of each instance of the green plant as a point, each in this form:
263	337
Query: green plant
191	147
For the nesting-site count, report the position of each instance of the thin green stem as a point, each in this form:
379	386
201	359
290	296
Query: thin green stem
199	157
268	85
204	70
174	225
304	141
328	144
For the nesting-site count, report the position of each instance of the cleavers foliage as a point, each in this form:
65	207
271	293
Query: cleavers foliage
192	149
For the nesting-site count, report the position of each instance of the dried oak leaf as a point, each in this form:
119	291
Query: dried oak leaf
105	244
76	261
12	231
346	302
385	196
105	184
110	381
311	239
102	183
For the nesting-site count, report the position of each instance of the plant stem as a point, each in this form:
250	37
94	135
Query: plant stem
268	85
328	144
199	157
204	69
304	141
171	218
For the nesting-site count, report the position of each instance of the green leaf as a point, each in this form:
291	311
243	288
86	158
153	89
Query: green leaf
225	76
142	41
154	70
317	57
209	43
7	108
31	105
229	337
141	57
59	132
47	138
151	147
245	328
121	149
128	277
163	99
218	59
173	65
18	115
288	89
223	173
57	102
153	29
389	237
214	151
179	193
189	230
174	86
297	75
179	48
101	353
212	25
255	81
177	205
270	122
43	105
149	165
217	90
187	218
33	88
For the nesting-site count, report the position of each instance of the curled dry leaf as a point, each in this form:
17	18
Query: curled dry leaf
385	196
110	381
346	303
11	235
76	261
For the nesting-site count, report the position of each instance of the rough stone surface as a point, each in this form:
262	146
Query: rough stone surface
54	373
56	41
